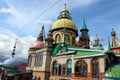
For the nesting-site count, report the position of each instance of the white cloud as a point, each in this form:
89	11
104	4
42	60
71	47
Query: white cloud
5	10
22	15
7	41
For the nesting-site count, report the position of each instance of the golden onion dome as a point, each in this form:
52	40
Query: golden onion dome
63	23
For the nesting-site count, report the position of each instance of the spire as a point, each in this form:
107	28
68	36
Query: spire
41	36
13	53
65	5
65	9
114	39
113	33
84	24
84	37
64	13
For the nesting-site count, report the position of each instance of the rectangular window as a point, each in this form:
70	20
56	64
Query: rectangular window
69	72
63	70
38	59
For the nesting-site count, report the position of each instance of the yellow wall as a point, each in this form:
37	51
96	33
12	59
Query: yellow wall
69	41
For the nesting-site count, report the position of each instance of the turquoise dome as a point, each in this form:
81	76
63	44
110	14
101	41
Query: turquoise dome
10	63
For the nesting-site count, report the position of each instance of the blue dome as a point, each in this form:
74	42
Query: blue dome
10	63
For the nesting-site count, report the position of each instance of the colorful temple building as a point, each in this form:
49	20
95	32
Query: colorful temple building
62	57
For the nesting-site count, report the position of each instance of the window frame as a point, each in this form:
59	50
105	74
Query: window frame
57	38
69	68
54	69
82	68
95	67
38	59
63	71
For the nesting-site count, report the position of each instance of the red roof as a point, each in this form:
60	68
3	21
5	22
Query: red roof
37	44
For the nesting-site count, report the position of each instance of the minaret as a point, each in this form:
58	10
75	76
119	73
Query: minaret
114	41
84	38
41	35
13	53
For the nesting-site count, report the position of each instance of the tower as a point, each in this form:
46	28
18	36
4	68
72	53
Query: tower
64	27
40	56
49	40
114	42
97	45
41	36
84	37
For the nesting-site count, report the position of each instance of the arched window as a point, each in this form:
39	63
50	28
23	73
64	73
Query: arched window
55	68
81	68
95	70
39	78
67	38
64	70
69	67
38	60
59	70
57	39
29	60
73	40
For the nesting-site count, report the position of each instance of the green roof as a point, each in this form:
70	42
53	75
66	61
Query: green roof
81	54
84	24
59	46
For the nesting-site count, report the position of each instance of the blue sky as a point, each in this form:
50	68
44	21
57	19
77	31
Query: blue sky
15	15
